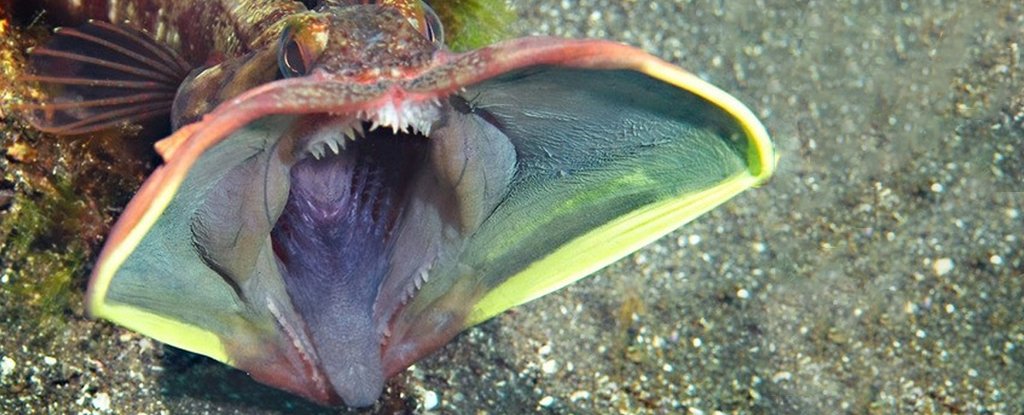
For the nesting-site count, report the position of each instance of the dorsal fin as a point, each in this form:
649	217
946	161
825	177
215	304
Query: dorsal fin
99	75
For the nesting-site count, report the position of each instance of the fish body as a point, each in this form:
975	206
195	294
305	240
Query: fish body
342	195
200	31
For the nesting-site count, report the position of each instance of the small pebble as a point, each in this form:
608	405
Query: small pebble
549	366
781	376
546	401
7	366
578	395
101	402
995	260
49	360
696	342
545	349
743	293
693	239
942	266
429	400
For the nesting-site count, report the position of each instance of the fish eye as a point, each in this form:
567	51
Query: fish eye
434	30
289	59
297	51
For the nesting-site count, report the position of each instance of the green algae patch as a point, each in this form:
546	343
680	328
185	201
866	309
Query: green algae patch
37	279
58	210
471	24
58	198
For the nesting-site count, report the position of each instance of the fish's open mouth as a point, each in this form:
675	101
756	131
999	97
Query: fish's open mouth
334	240
352	212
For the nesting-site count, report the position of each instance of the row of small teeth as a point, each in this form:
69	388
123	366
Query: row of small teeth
414	117
411	117
421	277
335	141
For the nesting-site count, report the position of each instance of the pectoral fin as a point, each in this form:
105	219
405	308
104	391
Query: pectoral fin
99	75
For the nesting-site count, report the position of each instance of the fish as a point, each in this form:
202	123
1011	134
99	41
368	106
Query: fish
341	195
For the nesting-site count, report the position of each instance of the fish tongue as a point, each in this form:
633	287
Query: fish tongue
333	242
349	351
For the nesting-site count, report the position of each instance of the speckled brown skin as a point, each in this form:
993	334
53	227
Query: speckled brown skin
201	31
343	41
235	43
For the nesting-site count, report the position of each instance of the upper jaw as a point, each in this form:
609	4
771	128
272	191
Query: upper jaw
331	134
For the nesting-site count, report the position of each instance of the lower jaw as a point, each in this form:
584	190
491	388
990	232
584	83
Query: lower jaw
333	242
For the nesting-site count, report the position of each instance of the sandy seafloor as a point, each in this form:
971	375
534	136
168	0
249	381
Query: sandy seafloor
880	270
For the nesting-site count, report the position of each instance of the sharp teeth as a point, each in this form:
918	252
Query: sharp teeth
333	145
422	278
404	117
422	126
345	134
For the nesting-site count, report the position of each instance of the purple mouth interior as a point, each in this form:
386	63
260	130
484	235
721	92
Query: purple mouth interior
333	242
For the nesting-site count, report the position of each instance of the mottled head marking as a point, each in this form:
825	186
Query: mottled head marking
367	43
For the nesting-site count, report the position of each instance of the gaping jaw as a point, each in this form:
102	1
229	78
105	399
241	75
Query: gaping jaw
288	237
359	207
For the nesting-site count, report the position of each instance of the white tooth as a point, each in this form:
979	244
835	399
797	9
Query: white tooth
333	145
374	125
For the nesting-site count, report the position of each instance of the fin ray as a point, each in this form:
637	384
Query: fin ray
99	76
103	63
